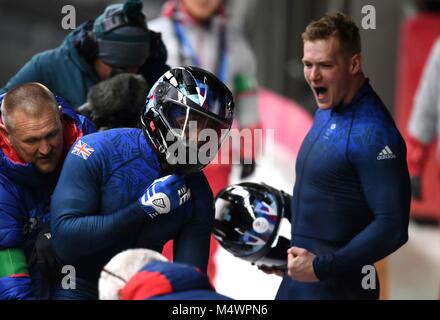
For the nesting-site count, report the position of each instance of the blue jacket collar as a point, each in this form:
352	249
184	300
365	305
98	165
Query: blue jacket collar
364	89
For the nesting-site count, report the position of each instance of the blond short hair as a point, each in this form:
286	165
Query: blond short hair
338	25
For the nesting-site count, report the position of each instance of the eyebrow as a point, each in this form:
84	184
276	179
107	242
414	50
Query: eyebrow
52	132
319	62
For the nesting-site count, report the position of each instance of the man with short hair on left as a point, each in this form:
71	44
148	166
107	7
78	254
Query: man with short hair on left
36	132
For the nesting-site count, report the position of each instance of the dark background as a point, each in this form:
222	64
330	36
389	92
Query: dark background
273	28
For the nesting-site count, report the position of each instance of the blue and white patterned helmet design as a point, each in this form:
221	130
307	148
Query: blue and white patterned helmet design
248	222
195	90
186	105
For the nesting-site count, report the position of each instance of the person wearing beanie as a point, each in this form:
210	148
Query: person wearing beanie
117	41
143	274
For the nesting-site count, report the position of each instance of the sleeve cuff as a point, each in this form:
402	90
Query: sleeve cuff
147	212
322	266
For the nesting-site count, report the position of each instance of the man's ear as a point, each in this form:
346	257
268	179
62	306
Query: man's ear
4	132
356	64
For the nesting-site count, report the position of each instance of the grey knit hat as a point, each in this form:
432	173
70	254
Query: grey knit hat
122	35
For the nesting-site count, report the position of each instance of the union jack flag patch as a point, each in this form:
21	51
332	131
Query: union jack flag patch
81	149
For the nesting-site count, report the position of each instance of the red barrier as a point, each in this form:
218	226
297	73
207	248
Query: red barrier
416	38
289	120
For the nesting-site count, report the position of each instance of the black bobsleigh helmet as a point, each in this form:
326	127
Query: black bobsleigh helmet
181	104
252	223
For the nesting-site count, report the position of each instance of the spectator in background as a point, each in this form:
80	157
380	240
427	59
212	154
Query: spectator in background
423	123
36	132
196	32
141	274
116	41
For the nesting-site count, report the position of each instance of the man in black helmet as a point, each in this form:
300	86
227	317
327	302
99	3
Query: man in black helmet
116	41
124	188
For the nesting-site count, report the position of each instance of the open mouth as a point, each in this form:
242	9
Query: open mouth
320	92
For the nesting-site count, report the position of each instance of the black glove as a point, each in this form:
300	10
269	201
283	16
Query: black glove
247	168
416	187
44	256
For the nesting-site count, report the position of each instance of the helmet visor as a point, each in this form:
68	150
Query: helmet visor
192	126
206	91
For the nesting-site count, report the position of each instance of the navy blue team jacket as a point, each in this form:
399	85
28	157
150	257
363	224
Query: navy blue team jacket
24	206
351	199
95	212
